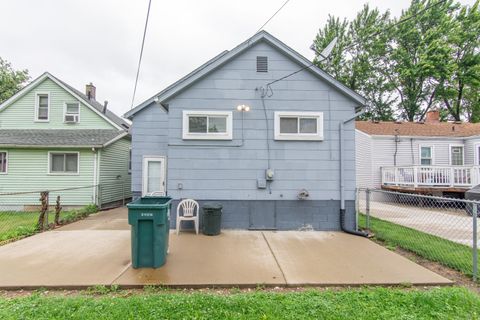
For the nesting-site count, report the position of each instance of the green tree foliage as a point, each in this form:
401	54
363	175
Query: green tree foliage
356	59
11	80
459	84
426	58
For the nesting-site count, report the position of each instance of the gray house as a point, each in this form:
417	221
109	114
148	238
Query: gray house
430	157
269	151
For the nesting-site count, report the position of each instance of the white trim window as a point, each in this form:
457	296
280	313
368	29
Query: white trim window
207	125
3	162
42	106
457	157
298	126
63	162
426	155
71	112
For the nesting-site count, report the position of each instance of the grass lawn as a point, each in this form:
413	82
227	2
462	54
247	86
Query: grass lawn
379	303
20	224
448	253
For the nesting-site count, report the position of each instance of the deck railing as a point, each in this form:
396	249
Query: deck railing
431	176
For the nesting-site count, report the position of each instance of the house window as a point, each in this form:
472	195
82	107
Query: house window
42	107
208	125
3	161
72	112
298	126
456	155
66	163
426	155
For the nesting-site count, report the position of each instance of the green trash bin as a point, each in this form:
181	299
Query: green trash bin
150	221
212	218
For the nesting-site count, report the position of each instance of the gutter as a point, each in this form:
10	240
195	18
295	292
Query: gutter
342	177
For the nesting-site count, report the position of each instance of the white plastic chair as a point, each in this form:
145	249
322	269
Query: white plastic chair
189	208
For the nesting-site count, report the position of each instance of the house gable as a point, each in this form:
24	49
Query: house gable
233	55
19	111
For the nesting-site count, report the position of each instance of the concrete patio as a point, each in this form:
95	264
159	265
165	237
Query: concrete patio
96	251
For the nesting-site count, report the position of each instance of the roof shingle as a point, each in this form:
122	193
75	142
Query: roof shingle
440	129
57	137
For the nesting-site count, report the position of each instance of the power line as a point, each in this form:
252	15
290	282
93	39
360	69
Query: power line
283	5
374	34
141	53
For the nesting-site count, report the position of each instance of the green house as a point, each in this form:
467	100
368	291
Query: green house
55	138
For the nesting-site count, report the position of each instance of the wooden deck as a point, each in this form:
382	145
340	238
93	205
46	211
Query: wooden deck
425	190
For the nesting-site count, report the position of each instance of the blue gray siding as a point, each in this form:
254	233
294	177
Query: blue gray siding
228	170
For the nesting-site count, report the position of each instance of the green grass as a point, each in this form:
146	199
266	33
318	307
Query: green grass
380	303
446	252
14	225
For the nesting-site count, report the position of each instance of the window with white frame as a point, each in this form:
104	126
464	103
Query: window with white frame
72	112
42	107
3	161
207	125
63	163
426	155
456	155
298	125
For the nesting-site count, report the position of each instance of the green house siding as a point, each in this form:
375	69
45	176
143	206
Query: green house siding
114	178
28	172
21	113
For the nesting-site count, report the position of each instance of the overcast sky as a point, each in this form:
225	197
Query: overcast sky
98	41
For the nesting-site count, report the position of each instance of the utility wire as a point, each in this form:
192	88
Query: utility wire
283	5
374	34
141	53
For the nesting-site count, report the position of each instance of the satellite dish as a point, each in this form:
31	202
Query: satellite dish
328	49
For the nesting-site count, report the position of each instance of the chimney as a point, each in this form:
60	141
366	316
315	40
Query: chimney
90	91
104	109
433	116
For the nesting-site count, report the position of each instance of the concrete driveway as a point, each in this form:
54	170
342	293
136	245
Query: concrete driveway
96	251
447	223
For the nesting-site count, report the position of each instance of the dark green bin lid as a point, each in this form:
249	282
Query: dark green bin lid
212	206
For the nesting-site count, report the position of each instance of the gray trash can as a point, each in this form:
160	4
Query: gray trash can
212	218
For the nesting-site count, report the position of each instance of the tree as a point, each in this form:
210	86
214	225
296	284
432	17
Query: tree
11	80
459	84
417	55
356	59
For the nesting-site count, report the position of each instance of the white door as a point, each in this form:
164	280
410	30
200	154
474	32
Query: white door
153	175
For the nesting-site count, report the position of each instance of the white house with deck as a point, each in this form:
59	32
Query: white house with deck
431	157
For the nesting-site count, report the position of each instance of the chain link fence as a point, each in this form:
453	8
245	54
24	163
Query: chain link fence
26	213
444	230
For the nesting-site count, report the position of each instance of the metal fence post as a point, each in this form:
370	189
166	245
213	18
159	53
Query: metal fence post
367	209
474	242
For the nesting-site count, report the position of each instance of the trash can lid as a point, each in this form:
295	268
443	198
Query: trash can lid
212	205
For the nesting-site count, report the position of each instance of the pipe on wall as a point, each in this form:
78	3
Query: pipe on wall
342	177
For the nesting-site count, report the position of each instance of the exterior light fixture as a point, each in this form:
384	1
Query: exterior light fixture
243	107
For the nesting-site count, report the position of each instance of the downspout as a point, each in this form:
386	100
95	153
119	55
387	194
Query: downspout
342	178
